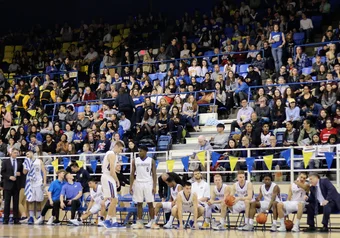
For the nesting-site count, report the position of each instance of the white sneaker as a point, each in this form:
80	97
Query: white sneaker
248	227
273	228
296	228
40	221
50	221
167	226
282	229
148	225
137	226
219	227
74	222
25	221
240	228
101	223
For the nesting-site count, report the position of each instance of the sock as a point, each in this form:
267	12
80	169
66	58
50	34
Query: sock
282	222
207	219
297	222
246	220
38	213
222	221
114	219
31	213
171	220
108	217
251	221
274	222
155	218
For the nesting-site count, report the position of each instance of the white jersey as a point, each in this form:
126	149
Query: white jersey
298	194
267	194
97	195
202	189
187	203
219	193
36	178
174	192
241	191
106	162
143	169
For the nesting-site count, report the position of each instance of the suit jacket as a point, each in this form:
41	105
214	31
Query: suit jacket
328	191
163	187
7	170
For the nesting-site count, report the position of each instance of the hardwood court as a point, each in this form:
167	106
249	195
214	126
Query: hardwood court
12	231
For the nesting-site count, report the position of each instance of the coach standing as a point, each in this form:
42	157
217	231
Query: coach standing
11	171
323	198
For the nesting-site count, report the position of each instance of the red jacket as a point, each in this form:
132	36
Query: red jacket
90	96
325	133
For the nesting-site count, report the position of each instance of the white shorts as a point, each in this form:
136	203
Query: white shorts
167	206
37	194
238	207
97	207
215	207
108	186
143	191
264	206
291	206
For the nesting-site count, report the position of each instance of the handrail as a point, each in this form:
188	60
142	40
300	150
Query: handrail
314	44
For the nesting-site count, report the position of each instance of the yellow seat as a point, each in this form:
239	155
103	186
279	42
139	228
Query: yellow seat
120	26
8	60
125	36
126	31
74	43
117	38
121	31
29	53
11	75
58	38
107	44
84	68
115	44
145	35
9	55
114	27
18	48
10	81
9	48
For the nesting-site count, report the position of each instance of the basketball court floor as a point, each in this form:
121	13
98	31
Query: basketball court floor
13	231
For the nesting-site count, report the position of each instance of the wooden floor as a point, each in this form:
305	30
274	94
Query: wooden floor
12	231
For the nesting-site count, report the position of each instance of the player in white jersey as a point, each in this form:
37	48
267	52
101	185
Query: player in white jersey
187	201
144	186
110	183
97	203
167	206
243	192
216	202
295	202
35	182
270	192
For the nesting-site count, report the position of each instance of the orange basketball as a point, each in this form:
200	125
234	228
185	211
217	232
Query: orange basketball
261	218
229	201
289	225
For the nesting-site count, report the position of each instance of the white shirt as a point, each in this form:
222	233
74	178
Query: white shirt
15	165
126	124
306	24
319	195
91	56
202	189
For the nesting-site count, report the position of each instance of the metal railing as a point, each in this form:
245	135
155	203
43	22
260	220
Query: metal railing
313	45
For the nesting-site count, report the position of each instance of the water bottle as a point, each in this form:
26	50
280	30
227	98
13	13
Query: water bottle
278	174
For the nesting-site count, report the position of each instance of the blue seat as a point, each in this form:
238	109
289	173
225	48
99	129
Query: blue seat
94	108
243	68
161	75
228	31
317	20
222	68
279	138
80	109
153	77
299	38
323	59
209	53
199	80
307	70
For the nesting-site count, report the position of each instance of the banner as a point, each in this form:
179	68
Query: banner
80	163
268	160
250	161
55	164
125	160
201	157
94	163
233	161
66	161
286	155
306	157
185	162
170	164
329	158
214	157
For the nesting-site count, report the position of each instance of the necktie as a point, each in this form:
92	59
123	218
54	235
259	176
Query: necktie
15	167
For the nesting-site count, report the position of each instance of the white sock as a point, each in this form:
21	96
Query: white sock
171	220
274	222
155	218
38	213
222	221
297	222
282	222
207	219
114	219
246	220
108	217
31	213
251	221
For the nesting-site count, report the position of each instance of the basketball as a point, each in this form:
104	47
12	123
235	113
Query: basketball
229	201
289	225
261	218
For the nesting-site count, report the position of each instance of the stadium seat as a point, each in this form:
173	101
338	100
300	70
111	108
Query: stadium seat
209	53
120	26
117	38
222	68
108	45
126	31
115	45
114	27
199	80
94	108
9	54
243	68
317	20
229	31
299	38
153	76
125	36
9	48
307	70
30	53
8	60
80	109
18	48
161	75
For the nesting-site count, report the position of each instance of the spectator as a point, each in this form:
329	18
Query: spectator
293	112
172	50
71	116
265	135
306	134
291	135
49	146
300	59
82	177
278	114
241	92
125	104
88	95
219	141
190	111
203	145
252	133
176	123
217	72
328	100
102	144
62	146
277	39
329	130
243	116
306	25
263	111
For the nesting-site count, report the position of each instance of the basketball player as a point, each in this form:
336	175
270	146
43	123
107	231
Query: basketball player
187	201
295	203
270	192
97	203
35	183
167	206
110	183
144	187
243	192
216	201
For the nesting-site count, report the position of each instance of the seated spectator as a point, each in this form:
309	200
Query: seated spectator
252	133
49	146
71	116
278	113
329	130
243	116
291	135
194	70
62	146
241	91
79	137
46	126
253	78
83	121
245	143
190	112
300	59
102	144
306	134
14	67
217	72
68	132
125	124
176	123
263	111
328	100
203	145
293	112
265	135
321	120
162	122
88	95
219	141
149	122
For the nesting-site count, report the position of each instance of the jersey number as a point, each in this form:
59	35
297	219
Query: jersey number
147	169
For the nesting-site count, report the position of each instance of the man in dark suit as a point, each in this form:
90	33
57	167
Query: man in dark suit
323	198
11	171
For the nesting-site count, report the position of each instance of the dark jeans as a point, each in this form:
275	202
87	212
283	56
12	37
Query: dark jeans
47	207
8	194
238	97
234	125
75	204
174	127
313	209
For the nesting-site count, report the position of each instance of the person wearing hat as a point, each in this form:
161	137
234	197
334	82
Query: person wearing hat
143	187
293	112
220	140
73	97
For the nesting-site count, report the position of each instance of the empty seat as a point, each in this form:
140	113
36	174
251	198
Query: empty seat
299	38
126	31
18	48
317	20
80	109
209	53
117	38
307	70
243	68
9	48
94	108
153	76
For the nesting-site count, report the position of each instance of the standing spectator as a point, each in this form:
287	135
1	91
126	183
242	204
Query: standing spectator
6	122
241	92
88	95
172	51
277	39
125	104
306	25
